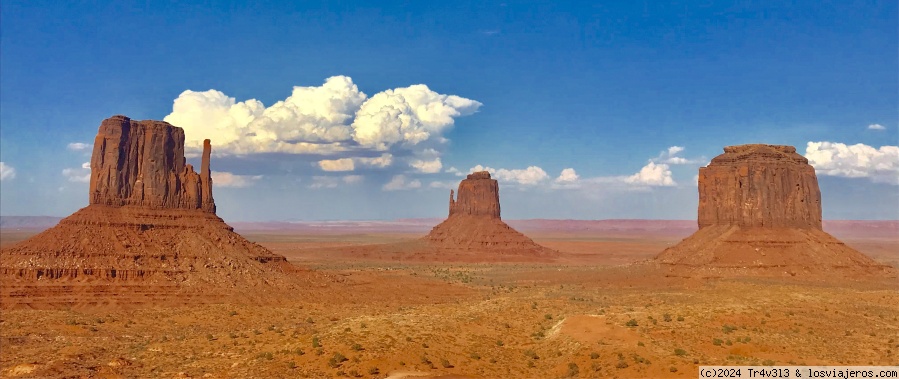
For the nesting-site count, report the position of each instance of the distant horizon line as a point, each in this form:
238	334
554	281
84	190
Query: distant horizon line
443	218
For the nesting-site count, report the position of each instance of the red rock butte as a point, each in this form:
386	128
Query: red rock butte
474	223
148	235
760	213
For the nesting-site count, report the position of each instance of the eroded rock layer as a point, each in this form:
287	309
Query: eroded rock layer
149	235
759	185
142	163
760	213
474	222
478	196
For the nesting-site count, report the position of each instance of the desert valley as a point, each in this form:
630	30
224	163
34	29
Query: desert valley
147	281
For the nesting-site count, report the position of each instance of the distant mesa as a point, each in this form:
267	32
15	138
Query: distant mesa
474	223
760	213
149	233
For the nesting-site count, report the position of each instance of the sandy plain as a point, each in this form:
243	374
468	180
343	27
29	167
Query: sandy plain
593	313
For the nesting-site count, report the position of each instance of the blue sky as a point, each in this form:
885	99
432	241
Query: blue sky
629	99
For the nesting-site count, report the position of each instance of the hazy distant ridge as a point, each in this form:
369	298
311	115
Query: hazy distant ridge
840	228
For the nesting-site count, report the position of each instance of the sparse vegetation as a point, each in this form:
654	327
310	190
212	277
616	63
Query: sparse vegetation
336	360
680	352
631	323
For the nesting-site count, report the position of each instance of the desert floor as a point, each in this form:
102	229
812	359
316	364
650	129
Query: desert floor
593	314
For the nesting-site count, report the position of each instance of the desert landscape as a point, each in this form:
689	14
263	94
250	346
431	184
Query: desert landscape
637	189
526	320
147	282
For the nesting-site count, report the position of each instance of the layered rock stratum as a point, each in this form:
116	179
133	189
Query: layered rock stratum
760	213
149	234
474	222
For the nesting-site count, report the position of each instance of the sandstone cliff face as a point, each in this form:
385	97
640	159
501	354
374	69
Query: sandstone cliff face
142	163
478	196
149	234
760	214
759	186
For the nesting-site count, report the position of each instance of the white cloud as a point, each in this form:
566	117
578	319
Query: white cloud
407	116
568	175
78	146
652	175
310	120
227	179
7	172
528	176
670	157
400	182
454	171
343	164
876	127
427	167
383	161
855	161
326	119
78	175
319	182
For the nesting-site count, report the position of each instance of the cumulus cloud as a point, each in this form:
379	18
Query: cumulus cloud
382	161
78	175
328	119
876	127
568	175
343	164
407	116
427	166
528	176
78	146
227	179
855	161
7	172
401	182
670	156
652	175
454	171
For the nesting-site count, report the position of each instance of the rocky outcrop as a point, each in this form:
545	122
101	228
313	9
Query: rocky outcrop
474	223
478	196
149	234
759	185
142	163
760	214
